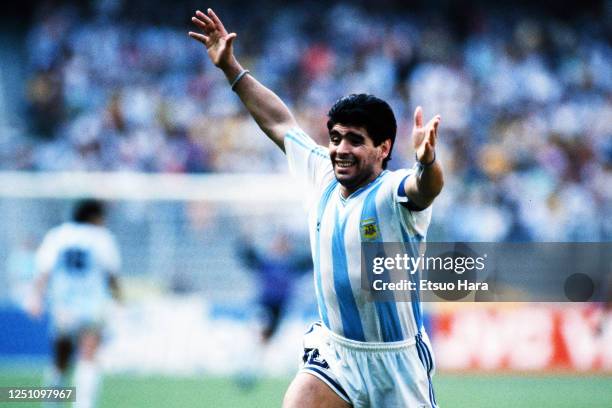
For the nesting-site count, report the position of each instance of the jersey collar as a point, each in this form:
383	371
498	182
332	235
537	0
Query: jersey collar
361	189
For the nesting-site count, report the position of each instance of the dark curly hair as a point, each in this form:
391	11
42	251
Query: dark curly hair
367	111
88	210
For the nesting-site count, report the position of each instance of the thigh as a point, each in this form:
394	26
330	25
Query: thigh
63	348
273	317
308	391
89	340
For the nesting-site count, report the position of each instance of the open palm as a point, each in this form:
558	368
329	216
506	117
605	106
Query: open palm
424	137
216	39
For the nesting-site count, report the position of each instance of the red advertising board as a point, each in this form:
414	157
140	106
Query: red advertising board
523	337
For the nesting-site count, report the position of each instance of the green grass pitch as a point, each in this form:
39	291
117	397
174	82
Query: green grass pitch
456	390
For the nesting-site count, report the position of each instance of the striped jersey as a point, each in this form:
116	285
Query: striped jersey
78	258
337	228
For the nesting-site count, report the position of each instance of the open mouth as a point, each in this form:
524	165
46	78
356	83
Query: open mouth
344	163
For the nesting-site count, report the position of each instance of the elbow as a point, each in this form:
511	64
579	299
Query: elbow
440	186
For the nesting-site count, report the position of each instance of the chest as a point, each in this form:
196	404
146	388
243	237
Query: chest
348	222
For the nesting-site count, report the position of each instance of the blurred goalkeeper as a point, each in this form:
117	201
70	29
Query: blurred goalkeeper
277	270
362	353
77	265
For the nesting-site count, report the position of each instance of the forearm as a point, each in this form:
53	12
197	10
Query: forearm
427	184
268	110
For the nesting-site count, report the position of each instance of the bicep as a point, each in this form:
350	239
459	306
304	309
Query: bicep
277	133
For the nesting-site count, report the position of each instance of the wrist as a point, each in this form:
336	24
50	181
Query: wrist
238	78
425	164
230	68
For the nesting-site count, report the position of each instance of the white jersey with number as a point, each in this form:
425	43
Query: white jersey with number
78	258
377	212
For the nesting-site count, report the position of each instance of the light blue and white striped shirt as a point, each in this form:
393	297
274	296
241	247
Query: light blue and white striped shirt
78	258
336	232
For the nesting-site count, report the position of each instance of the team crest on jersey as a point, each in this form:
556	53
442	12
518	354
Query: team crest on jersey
369	229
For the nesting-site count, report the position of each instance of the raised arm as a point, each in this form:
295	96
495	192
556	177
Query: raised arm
268	110
429	180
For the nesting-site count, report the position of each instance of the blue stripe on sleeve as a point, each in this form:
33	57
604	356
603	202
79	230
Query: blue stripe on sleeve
401	192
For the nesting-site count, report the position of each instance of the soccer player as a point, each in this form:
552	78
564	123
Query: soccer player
277	268
77	265
362	353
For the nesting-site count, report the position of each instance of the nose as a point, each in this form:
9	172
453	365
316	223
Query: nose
344	147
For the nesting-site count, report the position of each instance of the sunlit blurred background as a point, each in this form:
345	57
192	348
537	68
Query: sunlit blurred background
112	99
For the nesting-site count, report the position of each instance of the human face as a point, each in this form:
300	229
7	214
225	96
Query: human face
355	159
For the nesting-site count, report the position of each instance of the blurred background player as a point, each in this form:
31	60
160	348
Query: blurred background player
77	265
277	266
277	269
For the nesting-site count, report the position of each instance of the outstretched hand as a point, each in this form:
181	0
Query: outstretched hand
424	137
216	39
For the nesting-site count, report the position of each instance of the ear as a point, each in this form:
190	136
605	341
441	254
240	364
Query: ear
385	148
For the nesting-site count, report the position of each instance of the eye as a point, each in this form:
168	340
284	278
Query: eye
334	140
356	141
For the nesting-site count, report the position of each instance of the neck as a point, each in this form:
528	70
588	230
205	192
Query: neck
346	191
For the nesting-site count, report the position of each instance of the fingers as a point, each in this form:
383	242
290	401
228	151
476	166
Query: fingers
425	153
205	19
432	133
200	37
431	137
216	20
205	27
418	117
230	39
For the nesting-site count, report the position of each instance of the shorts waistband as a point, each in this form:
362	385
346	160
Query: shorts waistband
368	345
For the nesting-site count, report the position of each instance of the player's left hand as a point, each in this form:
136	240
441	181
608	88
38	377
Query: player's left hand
424	137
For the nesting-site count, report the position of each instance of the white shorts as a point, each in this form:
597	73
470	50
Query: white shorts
396	374
67	321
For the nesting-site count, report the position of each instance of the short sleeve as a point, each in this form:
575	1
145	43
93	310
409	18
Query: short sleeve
46	255
110	256
308	161
415	219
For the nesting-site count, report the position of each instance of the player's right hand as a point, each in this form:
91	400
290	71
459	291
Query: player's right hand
216	39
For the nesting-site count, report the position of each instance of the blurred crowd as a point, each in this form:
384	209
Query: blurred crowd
525	100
